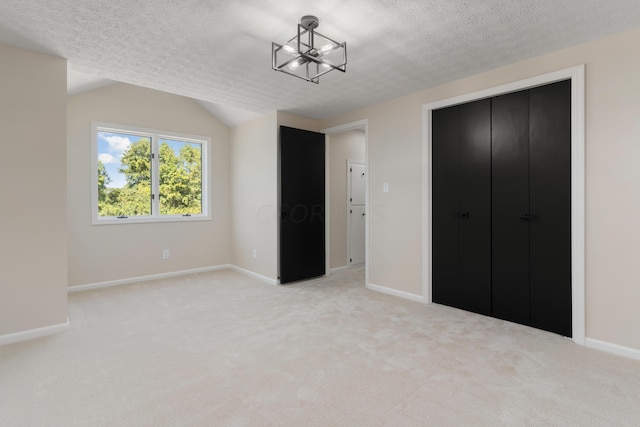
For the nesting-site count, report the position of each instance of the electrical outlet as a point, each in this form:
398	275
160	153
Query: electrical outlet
255	254
165	254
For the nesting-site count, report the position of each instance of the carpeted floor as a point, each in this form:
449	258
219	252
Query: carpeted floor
222	349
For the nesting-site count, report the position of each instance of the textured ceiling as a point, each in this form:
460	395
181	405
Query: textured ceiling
218	51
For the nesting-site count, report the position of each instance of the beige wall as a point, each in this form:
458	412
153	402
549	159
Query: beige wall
612	179
254	196
298	122
394	245
99	253
254	189
343	146
33	222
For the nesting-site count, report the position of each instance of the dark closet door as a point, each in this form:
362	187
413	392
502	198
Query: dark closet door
501	223
461	223
550	136
302	204
445	211
510	206
474	189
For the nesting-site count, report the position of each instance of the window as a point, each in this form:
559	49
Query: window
144	175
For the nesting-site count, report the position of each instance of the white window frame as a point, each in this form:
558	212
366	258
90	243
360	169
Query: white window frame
155	135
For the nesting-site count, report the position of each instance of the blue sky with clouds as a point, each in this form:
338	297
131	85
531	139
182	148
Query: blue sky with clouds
111	146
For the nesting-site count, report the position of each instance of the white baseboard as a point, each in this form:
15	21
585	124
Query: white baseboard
619	350
395	292
254	275
344	267
34	333
110	283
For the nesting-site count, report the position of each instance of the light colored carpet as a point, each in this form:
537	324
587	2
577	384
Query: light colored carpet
223	349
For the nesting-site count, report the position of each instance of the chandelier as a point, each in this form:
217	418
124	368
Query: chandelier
310	54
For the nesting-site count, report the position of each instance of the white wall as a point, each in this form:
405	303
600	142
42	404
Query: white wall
33	222
612	179
343	146
99	253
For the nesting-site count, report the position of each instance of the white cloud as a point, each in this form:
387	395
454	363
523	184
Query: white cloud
106	158
117	144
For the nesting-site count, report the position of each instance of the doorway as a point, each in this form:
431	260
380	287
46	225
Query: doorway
346	145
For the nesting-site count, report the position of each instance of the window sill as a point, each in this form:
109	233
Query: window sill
149	219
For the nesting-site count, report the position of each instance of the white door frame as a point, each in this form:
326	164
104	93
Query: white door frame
357	125
576	74
351	162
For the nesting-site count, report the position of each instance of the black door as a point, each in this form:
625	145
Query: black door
474	188
550	135
302	204
445	211
501	223
462	206
510	206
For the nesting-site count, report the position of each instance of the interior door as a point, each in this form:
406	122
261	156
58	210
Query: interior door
511	215
357	183
357	213
474	177
302	204
551	204
520	145
356	231
461	212
445	211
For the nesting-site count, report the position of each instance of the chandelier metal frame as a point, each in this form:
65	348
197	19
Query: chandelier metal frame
300	57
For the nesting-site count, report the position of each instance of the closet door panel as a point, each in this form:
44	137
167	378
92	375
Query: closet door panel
551	204
475	206
302	205
510	206
445	176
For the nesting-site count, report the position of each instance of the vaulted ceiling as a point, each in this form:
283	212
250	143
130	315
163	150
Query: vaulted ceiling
219	51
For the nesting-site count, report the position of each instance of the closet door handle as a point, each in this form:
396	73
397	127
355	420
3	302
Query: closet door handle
464	215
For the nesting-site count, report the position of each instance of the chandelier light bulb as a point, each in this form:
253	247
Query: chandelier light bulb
289	49
326	48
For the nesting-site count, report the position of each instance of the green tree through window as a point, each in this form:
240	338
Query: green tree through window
180	178
128	175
